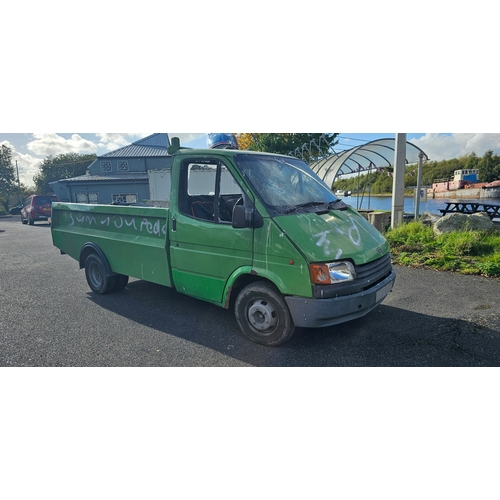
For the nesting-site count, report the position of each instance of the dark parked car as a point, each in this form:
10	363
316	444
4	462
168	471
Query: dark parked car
38	207
15	210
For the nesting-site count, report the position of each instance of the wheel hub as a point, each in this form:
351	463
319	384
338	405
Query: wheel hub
95	274
262	315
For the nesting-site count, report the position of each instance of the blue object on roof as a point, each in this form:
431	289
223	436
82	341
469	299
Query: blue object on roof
222	141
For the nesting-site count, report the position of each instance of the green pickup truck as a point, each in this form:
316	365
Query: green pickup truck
259	231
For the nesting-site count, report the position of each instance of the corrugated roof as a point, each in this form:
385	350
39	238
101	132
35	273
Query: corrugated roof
160	140
153	145
372	155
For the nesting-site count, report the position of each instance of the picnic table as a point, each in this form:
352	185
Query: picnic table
468	207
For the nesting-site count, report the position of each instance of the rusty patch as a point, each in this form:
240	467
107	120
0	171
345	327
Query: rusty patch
228	297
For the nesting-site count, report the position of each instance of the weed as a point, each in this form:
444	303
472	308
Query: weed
491	267
465	243
467	252
413	234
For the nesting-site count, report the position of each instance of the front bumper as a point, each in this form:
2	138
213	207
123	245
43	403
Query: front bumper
314	313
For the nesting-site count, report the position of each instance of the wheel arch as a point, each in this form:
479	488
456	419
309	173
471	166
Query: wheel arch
90	248
239	280
263	314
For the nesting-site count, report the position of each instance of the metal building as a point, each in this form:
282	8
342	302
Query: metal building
120	176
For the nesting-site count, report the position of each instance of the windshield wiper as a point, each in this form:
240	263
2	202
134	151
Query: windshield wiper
337	205
333	205
304	205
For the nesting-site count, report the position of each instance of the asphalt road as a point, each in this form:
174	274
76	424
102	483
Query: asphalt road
49	317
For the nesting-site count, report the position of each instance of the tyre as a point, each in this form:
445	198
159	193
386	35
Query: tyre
31	222
263	315
95	272
24	221
121	282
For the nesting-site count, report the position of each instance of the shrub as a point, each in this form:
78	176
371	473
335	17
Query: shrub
467	252
465	243
412	235
491	267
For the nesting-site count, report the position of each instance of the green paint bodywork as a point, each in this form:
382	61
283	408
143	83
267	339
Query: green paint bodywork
339	234
204	259
132	238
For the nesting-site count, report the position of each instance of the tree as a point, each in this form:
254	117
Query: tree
489	167
471	161
244	140
309	147
7	176
62	166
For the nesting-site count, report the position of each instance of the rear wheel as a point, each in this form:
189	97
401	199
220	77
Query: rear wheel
95	272
263	315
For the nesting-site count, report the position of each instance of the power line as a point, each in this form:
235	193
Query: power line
353	139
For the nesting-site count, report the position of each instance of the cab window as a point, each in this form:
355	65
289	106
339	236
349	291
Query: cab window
208	191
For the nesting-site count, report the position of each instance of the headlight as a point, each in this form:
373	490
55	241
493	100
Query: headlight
332	272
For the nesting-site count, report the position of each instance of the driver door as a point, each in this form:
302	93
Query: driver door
205	248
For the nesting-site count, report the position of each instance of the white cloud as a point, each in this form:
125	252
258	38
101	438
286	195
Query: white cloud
111	142
28	167
185	138
26	164
46	144
54	144
447	146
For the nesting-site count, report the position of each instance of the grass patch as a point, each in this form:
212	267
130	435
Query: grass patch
467	252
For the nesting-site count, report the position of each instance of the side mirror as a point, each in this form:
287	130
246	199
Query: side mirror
246	218
239	220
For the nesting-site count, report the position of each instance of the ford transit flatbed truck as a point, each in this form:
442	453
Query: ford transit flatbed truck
257	230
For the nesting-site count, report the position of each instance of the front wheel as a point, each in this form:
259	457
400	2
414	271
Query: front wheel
263	315
95	272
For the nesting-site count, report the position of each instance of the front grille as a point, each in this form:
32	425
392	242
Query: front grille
374	271
367	276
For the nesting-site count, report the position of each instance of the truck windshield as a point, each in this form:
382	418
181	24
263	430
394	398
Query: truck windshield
285	185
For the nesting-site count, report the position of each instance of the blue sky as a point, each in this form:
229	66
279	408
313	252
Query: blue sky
29	149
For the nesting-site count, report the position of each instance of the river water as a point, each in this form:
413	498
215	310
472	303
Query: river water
385	203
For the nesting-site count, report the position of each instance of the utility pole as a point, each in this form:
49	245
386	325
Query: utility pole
19	185
419	185
398	185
